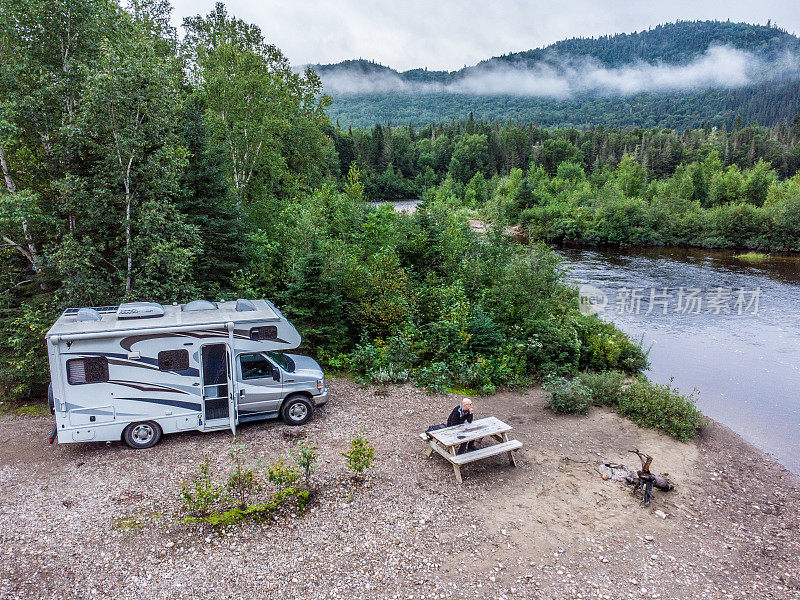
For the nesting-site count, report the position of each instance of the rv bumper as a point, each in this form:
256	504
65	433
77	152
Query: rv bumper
322	398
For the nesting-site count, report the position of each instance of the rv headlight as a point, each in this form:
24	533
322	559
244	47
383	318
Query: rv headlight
320	384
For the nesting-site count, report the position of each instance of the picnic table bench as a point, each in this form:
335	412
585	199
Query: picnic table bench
447	440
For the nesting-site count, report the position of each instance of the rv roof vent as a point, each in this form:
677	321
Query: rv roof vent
244	305
139	310
88	314
195	305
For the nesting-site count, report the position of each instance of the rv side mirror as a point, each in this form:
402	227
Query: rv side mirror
276	374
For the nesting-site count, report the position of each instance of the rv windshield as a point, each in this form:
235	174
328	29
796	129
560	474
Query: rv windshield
284	362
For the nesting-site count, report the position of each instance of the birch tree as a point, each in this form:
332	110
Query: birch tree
130	108
43	44
252	96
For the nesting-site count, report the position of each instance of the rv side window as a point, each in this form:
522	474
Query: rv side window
173	360
270	332
92	369
255	366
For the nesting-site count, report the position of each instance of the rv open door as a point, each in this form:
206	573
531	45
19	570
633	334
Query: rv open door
233	407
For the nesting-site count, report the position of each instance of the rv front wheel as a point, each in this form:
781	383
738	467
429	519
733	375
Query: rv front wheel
142	435
297	410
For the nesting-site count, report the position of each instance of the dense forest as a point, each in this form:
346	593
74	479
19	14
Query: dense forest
603	186
766	99
139	164
763	103
398	162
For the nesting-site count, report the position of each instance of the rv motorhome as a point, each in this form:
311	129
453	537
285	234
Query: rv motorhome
139	370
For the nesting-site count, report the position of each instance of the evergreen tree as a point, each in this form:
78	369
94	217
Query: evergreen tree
209	206
314	303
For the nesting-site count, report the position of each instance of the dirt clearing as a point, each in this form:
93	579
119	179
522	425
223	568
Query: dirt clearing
102	521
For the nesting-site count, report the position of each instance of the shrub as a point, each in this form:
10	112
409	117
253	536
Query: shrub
306	459
558	348
242	482
604	347
567	396
361	455
24	370
436	377
661	407
201	494
605	387
281	474
379	362
242	496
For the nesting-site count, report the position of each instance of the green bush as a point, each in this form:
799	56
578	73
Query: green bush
201	494
661	407
436	377
567	396
361	455
604	347
24	367
605	387
242	482
306	459
282	475
553	348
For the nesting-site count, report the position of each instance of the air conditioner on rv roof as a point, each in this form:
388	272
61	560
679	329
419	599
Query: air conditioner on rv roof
138	310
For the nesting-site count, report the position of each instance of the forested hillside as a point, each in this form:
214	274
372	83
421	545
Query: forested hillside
764	104
141	165
651	78
669	43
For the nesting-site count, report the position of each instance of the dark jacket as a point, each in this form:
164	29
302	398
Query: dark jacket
458	416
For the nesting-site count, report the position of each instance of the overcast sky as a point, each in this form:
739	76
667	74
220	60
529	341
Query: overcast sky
448	34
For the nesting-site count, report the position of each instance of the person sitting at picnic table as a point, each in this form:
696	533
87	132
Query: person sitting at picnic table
462	414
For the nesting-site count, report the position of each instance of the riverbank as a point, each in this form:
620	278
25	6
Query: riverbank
89	520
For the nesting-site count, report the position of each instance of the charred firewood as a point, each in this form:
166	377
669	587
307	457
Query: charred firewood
645	480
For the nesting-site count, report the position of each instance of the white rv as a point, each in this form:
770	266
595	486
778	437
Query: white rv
136	371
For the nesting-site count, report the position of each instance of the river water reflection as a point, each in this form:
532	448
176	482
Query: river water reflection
727	327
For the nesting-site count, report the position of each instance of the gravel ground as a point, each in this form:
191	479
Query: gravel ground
102	521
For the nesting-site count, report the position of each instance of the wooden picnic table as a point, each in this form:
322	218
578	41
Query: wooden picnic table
447	440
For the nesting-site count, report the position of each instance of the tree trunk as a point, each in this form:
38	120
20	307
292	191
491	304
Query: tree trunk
128	239
128	249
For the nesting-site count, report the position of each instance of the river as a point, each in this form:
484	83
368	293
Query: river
728	328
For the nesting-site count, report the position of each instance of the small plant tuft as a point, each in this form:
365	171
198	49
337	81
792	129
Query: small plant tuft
242	482
201	494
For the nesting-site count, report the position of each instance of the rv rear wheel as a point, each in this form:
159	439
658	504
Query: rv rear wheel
142	435
297	410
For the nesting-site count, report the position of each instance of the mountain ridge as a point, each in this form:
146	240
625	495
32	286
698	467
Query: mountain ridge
660	40
684	74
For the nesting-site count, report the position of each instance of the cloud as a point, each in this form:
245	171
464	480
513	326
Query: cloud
562	77
448	34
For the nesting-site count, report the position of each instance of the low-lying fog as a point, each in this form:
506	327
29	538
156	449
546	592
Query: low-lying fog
562	77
